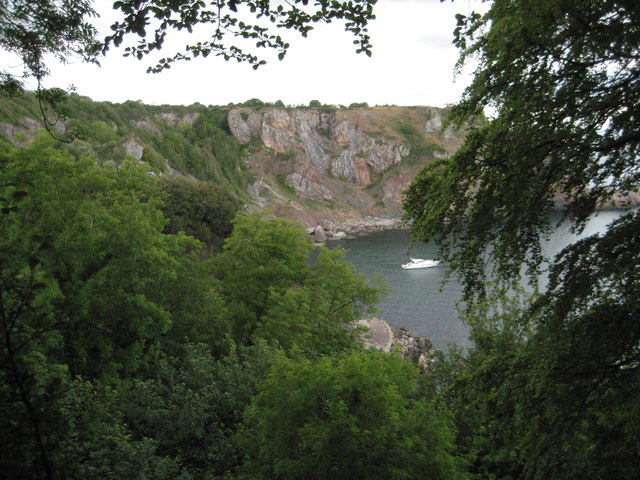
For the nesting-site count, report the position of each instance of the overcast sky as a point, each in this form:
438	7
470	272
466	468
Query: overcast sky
412	64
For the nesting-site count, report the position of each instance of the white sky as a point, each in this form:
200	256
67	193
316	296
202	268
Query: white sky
412	64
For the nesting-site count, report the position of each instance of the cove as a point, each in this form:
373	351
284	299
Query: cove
417	299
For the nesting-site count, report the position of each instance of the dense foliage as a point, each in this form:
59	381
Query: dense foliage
361	415
202	210
193	140
127	353
555	393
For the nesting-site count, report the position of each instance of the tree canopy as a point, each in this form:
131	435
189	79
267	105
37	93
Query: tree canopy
125	352
561	83
233	30
273	293
360	415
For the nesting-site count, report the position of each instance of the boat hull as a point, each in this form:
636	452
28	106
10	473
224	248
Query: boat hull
415	264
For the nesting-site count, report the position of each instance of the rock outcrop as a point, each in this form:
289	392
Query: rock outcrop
133	148
335	231
178	120
351	162
310	186
385	337
419	350
332	144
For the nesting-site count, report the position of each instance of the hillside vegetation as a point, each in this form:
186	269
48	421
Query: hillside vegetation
193	141
304	164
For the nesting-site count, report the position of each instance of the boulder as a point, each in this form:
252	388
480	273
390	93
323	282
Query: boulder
133	149
329	226
319	235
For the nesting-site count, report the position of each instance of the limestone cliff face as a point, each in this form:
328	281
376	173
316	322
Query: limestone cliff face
332	144
354	162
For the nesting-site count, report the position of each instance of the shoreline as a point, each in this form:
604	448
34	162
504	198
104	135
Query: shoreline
328	230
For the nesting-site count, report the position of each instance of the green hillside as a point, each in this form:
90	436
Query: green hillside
194	141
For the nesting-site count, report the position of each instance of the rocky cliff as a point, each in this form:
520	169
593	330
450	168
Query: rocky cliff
336	170
344	169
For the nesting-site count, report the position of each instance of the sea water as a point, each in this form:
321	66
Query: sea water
418	300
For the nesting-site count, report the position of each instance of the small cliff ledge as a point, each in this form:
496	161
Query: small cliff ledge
341	165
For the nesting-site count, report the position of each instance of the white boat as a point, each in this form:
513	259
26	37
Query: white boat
419	263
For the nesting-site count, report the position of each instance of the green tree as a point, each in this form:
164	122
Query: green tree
199	209
92	295
178	423
273	293
318	317
561	79
35	29
260	257
479	386
223	21
254	103
354	416
563	125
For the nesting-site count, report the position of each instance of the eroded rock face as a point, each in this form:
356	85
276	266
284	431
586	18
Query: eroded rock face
239	126
333	145
308	187
434	124
177	120
263	194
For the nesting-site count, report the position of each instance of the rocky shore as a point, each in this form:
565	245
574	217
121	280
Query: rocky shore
419	350
385	337
330	230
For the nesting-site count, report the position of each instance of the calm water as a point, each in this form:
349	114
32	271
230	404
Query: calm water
417	299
